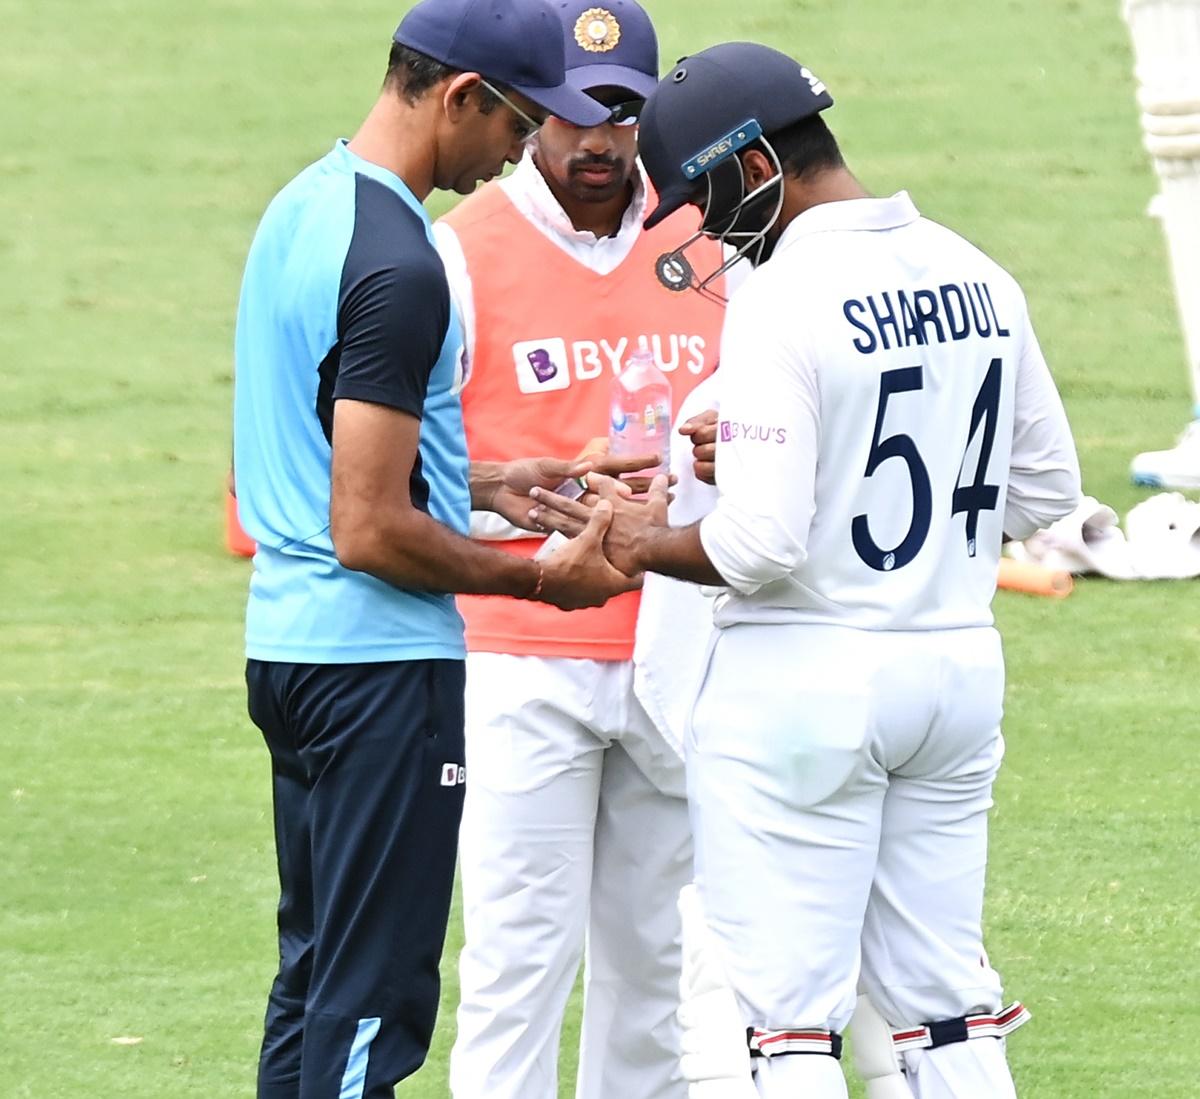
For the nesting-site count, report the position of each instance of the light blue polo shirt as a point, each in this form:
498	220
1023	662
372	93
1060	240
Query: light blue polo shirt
343	296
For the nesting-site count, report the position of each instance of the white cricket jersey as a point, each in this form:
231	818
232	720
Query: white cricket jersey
893	417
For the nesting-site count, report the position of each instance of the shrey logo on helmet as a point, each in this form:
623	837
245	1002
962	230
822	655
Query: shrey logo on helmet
597	30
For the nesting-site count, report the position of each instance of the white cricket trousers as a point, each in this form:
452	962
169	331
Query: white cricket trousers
840	781
575	824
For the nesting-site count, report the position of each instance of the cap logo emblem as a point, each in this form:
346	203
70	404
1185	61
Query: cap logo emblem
597	30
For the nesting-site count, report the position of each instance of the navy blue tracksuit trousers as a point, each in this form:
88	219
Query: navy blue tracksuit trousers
368	771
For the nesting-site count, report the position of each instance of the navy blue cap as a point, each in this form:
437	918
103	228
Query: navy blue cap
609	45
714	103
517	43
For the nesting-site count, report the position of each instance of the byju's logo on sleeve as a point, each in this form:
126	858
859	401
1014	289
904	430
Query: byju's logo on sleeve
732	430
541	365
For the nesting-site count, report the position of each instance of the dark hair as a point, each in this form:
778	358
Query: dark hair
412	74
806	147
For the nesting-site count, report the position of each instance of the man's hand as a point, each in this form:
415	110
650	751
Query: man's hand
621	468
702	430
631	519
504	487
578	575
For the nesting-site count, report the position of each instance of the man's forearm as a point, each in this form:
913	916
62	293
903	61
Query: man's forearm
677	552
413	550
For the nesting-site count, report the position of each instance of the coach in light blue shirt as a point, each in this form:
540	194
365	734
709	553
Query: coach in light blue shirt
345	247
352	477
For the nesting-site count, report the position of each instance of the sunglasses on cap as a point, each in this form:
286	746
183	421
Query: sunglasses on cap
627	112
624	113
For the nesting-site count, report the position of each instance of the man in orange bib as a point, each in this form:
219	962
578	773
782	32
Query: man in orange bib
575	824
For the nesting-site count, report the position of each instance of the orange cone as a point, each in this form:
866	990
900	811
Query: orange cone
236	540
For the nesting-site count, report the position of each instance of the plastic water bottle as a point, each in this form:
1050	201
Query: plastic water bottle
640	410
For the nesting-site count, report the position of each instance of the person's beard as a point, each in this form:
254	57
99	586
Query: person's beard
589	192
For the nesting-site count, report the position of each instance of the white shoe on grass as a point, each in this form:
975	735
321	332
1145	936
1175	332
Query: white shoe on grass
1178	467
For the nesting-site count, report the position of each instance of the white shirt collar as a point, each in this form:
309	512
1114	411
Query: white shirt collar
849	215
532	196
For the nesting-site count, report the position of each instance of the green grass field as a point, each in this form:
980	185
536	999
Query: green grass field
142	139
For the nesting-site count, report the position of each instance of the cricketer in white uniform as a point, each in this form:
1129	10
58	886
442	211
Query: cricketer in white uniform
892	419
1166	44
575	819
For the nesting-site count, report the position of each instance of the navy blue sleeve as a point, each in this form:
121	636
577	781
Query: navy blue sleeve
393	305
